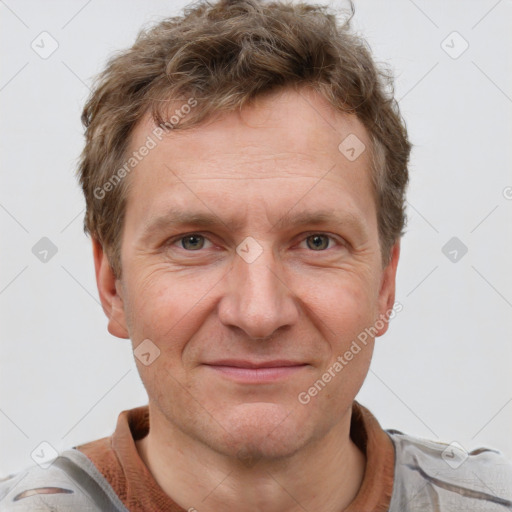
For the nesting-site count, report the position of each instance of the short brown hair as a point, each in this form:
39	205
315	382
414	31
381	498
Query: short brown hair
226	54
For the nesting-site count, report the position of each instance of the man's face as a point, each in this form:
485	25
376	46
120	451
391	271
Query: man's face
285	273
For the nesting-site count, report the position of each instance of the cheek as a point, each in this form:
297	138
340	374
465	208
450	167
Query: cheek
345	312
167	308
343	303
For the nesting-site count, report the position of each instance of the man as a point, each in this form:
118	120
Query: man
244	174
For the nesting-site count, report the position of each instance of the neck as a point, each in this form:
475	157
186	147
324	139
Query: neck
325	475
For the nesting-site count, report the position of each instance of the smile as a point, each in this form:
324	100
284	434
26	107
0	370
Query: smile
248	372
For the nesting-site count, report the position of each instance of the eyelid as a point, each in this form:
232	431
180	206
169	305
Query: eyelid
339	240
173	240
303	236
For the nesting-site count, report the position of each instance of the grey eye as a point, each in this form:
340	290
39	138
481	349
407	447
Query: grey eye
317	242
192	242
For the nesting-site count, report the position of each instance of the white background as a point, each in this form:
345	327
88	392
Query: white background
442	372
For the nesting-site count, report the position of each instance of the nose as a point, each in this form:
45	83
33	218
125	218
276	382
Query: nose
257	300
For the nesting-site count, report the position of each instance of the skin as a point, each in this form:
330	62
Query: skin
216	443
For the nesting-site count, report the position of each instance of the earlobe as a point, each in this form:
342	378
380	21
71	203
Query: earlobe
110	293
387	290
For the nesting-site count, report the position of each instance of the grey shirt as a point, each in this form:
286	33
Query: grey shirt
428	477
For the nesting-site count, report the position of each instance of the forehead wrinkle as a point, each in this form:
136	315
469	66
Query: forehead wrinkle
206	172
238	178
203	172
296	165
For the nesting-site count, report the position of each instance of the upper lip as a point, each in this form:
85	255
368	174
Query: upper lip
240	363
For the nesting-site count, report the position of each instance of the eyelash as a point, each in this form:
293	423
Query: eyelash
179	238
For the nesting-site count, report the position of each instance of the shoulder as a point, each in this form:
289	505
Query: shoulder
70	483
431	475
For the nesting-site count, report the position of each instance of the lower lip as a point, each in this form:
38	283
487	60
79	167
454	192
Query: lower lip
257	375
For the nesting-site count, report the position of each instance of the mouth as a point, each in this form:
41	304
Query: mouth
256	372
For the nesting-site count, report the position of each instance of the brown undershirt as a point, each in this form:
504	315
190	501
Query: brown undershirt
118	460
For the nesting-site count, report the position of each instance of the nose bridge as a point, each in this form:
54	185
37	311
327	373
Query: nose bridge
258	302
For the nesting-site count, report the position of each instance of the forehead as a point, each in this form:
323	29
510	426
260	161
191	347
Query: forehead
308	127
279	145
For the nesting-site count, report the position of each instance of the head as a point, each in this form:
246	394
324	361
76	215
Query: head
244	172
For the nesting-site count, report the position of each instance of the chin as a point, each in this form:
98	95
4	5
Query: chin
260	430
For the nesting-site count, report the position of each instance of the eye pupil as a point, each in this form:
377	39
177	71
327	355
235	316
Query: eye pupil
192	242
317	242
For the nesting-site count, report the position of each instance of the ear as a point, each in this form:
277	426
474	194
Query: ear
109	289
387	289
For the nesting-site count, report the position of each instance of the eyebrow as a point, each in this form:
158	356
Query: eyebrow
175	217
